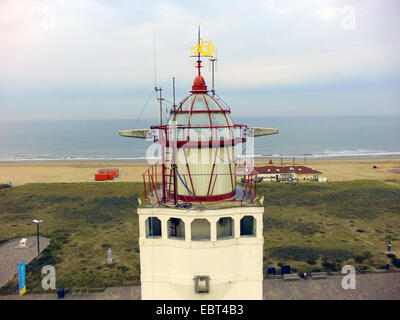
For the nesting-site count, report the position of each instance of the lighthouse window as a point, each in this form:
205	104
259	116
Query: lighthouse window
218	119
199	104
187	104
223	133
182	119
248	226
176	228
201	230
229	119
225	228
205	134
195	134
200	119
153	227
212	105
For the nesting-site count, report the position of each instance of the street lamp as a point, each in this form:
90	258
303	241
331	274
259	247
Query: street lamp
37	224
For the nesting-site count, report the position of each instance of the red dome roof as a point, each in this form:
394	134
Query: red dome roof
199	85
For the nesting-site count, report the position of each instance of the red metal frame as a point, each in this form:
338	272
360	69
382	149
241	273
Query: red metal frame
213	139
194	94
151	187
167	188
185	142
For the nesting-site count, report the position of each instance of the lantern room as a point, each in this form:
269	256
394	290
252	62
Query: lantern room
197	151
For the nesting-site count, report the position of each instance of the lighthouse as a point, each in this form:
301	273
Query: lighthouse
200	218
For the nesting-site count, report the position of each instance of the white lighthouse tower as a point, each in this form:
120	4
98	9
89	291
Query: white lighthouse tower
200	220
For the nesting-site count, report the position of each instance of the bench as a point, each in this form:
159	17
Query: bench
319	275
291	276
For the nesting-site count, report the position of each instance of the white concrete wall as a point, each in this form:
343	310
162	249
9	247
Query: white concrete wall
235	266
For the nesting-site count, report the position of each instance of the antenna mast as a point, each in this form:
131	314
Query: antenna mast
213	60
173	90
198	52
174	151
160	100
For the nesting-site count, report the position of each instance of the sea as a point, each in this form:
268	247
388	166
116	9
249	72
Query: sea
312	137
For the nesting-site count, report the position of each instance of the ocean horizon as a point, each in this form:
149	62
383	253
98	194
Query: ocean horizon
313	137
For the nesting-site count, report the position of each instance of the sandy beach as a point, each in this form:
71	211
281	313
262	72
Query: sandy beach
83	171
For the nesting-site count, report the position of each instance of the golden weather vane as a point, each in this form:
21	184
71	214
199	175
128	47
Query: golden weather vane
204	47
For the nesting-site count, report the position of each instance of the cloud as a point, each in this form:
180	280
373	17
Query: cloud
328	13
98	47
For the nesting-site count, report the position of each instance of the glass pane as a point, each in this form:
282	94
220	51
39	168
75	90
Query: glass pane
212	104
229	118
200	134
182	119
187	104
223	134
218	119
199	104
200	119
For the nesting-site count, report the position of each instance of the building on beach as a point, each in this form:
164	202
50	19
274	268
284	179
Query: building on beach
289	173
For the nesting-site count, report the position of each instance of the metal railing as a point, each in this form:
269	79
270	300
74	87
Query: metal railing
159	186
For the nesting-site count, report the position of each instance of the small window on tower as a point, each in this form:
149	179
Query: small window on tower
176	228
248	226
201	230
153	227
225	228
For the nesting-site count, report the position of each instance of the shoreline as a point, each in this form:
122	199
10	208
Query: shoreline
71	161
143	160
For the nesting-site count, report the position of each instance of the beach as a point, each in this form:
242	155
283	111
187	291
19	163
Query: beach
21	172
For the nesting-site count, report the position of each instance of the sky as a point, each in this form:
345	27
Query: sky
100	59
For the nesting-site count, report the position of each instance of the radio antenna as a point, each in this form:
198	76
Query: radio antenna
154	54
159	98
173	91
213	61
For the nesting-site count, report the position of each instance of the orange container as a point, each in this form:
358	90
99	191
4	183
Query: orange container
103	177
113	172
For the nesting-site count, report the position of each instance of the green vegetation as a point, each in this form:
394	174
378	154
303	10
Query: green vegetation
313	227
321	227
82	220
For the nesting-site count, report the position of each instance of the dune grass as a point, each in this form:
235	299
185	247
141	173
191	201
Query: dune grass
314	227
321	227
82	220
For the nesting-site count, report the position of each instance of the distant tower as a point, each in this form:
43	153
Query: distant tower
201	231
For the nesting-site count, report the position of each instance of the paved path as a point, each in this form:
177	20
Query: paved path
376	286
11	254
116	293
381	286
